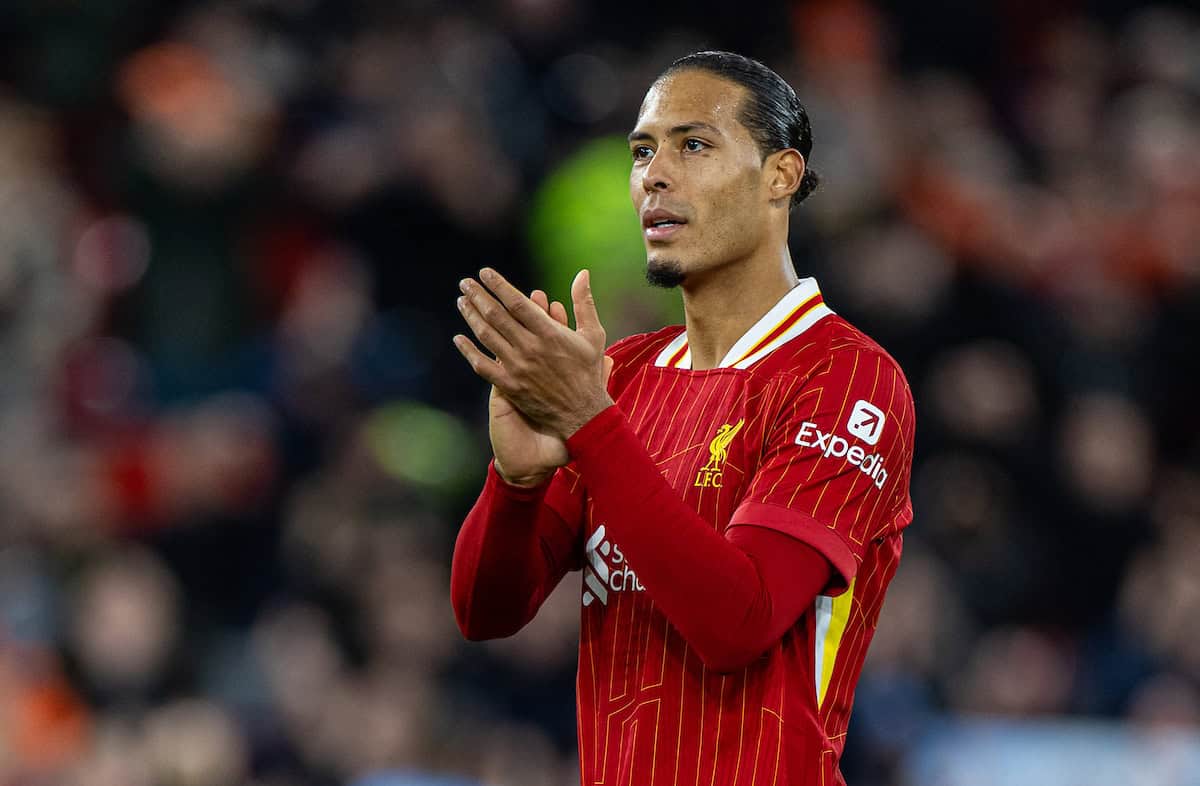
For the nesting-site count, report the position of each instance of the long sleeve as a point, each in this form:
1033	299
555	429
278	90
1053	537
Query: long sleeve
730	596
511	552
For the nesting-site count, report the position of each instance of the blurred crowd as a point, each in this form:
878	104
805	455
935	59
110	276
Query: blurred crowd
236	441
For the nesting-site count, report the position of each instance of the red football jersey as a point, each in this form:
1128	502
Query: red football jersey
806	427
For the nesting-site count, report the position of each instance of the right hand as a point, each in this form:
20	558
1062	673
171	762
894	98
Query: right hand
526	454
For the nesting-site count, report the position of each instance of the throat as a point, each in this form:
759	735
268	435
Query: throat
718	314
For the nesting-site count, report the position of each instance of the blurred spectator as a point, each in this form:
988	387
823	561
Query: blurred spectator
125	626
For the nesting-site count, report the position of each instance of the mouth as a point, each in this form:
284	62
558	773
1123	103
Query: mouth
658	225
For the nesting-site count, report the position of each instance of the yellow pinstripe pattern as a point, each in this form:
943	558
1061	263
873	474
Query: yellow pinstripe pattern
649	438
768	410
841	411
860	481
737	768
682	695
637	398
851	642
865	515
717	735
633	750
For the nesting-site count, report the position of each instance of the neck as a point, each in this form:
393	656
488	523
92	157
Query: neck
722	305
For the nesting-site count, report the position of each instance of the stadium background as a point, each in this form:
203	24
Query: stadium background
236	442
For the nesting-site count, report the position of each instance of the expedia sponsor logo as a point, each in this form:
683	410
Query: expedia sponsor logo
606	570
866	422
833	446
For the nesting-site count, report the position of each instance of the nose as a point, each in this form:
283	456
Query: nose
658	175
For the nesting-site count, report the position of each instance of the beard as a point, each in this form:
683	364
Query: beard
664	273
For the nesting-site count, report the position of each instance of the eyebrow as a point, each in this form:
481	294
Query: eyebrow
683	128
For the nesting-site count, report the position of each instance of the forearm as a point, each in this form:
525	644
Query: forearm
503	565
729	604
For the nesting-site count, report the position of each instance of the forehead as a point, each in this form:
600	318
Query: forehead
690	96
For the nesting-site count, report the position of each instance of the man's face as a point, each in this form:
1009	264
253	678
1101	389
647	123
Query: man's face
697	177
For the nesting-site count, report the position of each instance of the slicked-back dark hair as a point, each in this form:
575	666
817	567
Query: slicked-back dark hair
771	112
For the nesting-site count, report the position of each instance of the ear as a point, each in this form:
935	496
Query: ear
784	170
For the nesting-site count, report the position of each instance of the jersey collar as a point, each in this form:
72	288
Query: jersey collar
796	312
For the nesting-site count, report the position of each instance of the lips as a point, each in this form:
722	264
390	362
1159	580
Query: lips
660	224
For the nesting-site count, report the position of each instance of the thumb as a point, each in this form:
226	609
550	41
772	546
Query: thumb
587	319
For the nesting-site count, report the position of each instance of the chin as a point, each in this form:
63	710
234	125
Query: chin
665	273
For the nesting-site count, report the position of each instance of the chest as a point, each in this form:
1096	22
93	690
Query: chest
704	431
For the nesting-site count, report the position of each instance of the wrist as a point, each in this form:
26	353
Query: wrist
526	481
593	438
580	418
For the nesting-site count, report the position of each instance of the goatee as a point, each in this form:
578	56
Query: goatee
667	273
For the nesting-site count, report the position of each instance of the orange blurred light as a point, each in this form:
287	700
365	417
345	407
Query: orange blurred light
178	85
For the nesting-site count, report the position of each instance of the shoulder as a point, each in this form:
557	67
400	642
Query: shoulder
851	352
835	365
833	349
845	386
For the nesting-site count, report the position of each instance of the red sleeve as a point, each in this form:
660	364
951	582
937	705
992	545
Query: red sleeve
514	547
730	597
836	463
516	544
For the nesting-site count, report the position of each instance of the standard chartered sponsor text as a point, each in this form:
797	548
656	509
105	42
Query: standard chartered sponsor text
606	570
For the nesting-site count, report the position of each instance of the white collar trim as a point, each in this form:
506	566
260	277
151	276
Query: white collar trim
746	351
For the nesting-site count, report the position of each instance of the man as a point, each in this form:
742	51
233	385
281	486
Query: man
734	490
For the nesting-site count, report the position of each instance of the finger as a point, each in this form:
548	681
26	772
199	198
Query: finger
559	313
487	368
556	310
608	367
494	313
483	330
522	309
587	319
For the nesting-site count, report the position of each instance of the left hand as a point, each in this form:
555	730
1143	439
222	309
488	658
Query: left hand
553	374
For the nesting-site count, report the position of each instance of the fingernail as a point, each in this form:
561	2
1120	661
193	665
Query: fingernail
465	285
462	303
487	274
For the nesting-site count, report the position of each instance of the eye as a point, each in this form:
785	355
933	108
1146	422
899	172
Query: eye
694	145
641	153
